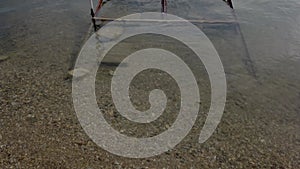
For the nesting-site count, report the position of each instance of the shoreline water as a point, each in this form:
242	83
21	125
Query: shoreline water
39	127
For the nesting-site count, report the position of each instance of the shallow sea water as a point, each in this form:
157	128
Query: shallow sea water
260	126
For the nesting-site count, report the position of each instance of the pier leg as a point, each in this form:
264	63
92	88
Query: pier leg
163	6
93	20
230	3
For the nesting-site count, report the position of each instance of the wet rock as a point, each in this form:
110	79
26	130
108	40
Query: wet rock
3	58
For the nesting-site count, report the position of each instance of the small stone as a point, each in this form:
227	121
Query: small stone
167	126
77	73
118	165
111	72
111	112
14	103
3	58
31	118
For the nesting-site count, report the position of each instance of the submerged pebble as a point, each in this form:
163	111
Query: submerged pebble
3	58
77	73
111	73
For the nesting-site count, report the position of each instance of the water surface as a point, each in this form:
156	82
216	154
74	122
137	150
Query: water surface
260	126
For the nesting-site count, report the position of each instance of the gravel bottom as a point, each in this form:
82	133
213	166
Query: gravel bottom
39	127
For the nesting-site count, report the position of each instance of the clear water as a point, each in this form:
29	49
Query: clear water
263	104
